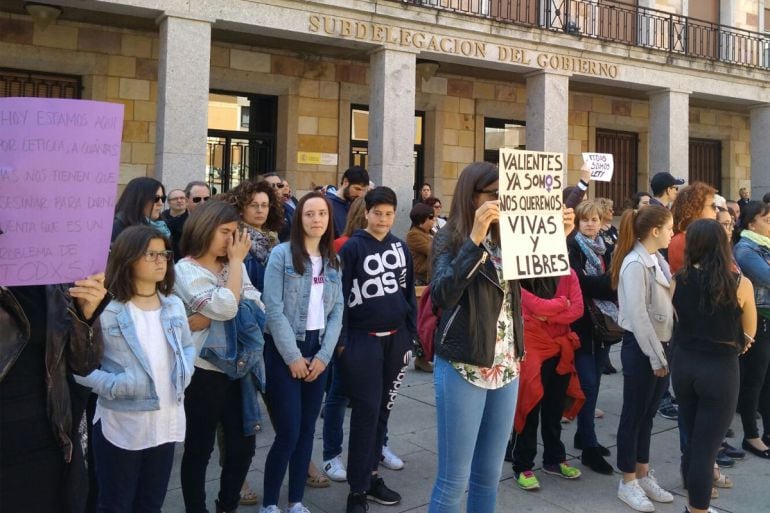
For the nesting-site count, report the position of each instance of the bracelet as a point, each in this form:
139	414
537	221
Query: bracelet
748	337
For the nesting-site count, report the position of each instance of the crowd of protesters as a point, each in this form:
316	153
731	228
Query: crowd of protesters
226	303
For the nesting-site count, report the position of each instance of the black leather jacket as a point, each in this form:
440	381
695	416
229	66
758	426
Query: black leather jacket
465	286
72	346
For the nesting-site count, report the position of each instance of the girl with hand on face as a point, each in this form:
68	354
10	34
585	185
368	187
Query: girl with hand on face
304	304
212	282
643	281
147	363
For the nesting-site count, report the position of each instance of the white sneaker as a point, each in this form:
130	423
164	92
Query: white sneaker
390	460
653	490
633	495
335	469
298	507
270	509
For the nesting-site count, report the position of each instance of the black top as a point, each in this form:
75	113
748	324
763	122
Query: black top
175	226
704	327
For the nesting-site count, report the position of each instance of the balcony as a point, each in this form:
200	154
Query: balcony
622	23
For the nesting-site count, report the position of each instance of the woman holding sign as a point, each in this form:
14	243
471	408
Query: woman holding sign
479	344
642	277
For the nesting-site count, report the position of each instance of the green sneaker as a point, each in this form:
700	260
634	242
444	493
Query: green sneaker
562	470
527	480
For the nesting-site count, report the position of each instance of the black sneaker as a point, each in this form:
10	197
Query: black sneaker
732	452
357	503
379	492
669	411
578	444
724	460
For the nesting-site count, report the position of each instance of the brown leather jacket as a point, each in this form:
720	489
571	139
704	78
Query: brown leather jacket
72	346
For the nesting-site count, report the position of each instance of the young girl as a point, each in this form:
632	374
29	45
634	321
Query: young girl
642	277
303	302
212	282
148	362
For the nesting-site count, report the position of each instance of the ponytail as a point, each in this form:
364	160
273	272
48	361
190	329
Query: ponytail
635	225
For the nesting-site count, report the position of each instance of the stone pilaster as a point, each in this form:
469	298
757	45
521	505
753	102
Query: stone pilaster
548	112
760	151
183	89
391	127
669	133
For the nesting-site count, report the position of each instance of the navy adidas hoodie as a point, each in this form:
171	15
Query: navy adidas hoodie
378	284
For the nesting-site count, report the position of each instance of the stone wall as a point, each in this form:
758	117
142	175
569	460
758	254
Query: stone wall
747	14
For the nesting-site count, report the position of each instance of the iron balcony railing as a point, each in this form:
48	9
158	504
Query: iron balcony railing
622	23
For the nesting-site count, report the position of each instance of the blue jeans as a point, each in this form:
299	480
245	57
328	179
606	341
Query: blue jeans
473	428
589	371
295	404
131	481
334	413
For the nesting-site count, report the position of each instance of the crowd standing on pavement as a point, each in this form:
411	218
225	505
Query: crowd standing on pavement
311	304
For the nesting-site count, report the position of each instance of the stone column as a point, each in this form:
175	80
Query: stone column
760	151
183	91
391	127
548	112
669	133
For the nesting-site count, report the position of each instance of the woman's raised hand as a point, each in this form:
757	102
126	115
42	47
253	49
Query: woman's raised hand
486	214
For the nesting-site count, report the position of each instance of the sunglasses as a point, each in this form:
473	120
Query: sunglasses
198	199
162	199
277	185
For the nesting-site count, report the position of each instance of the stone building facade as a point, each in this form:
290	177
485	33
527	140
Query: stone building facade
415	89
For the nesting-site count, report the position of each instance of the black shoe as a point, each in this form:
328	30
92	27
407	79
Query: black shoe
723	460
732	452
669	411
730	433
766	439
609	369
756	452
578	444
593	459
357	503
378	492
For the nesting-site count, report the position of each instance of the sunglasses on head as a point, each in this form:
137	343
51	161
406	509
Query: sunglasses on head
198	199
162	199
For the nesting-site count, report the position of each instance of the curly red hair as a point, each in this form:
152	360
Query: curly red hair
689	203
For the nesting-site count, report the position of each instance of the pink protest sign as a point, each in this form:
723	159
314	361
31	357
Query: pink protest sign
59	166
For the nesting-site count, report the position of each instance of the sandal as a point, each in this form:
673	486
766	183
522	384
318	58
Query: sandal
318	481
714	493
722	480
248	496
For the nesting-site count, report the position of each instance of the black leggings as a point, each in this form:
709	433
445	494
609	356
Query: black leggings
755	382
706	385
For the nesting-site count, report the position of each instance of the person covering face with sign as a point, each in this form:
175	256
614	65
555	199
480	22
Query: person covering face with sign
481	342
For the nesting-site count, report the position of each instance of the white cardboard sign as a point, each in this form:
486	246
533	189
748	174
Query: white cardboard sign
531	225
602	165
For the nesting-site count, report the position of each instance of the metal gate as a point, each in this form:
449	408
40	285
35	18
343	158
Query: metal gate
705	162
624	147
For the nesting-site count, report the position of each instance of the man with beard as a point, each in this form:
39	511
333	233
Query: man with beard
355	183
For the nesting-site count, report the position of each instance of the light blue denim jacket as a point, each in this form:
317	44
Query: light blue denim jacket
124	381
754	261
286	297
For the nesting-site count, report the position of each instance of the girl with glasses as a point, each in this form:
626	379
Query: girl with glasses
147	364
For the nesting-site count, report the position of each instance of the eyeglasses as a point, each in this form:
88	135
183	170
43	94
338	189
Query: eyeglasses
152	256
491	192
198	199
162	199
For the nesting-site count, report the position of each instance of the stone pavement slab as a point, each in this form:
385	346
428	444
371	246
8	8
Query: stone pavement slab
412	435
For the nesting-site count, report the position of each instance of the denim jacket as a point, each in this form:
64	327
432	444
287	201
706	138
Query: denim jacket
124	382
754	261
286	297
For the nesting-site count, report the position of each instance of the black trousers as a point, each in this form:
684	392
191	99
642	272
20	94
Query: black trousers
706	385
372	370
642	391
755	382
213	398
548	411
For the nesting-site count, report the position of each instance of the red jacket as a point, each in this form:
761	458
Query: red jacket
544	339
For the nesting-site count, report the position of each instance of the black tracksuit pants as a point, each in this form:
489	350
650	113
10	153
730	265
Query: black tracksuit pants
372	370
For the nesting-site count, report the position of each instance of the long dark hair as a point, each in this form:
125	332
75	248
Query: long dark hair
475	177
299	254
635	225
127	248
198	231
137	194
749	214
706	246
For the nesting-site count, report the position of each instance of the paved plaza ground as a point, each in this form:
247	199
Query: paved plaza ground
413	437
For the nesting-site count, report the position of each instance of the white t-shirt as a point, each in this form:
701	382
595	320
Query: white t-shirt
315	309
137	430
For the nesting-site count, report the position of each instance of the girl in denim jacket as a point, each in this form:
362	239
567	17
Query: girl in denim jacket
147	363
303	303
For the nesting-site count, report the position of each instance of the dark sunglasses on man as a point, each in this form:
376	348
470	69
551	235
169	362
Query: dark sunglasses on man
198	199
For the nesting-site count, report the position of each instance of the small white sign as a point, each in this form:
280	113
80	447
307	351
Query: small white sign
602	165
